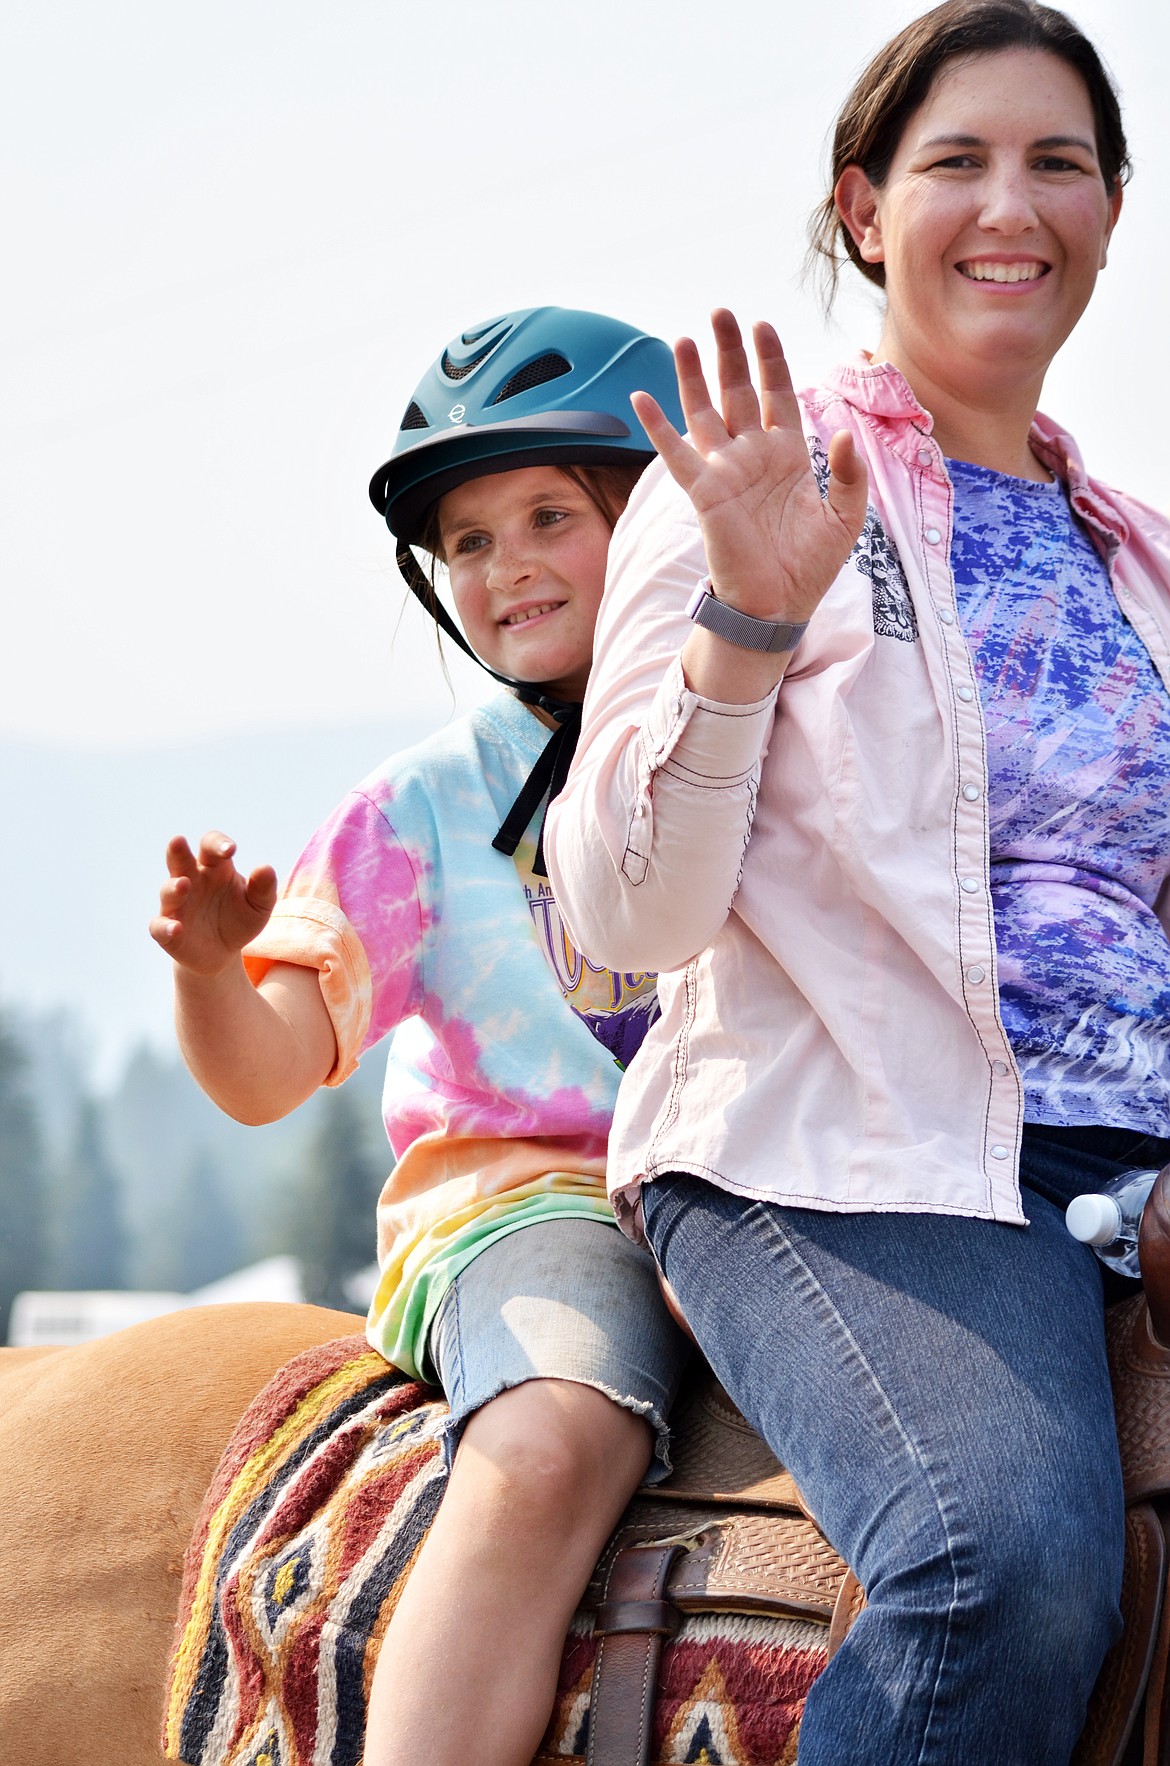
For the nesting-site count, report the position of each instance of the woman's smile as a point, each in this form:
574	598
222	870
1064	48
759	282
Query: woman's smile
1003	272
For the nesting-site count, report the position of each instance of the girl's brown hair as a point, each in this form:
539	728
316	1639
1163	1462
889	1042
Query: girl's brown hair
899	79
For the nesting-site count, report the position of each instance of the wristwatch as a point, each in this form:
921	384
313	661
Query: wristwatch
771	635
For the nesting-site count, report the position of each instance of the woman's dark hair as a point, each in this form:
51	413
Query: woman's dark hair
900	77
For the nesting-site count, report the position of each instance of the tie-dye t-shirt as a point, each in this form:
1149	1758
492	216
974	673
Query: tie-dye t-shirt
1078	763
501	1082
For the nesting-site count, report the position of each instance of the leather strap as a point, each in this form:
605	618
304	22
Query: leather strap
850	1601
1154	1256
617	1616
632	1621
1156	1748
1125	1672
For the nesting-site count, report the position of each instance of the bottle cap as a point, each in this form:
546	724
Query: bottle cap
1093	1219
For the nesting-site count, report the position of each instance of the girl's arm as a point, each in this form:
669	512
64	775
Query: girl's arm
646	842
257	1051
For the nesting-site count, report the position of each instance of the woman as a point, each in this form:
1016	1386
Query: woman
424	898
904	868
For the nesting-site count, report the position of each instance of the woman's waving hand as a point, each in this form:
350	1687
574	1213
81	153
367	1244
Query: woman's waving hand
773	543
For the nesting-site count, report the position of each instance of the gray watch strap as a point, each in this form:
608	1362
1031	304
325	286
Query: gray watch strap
768	635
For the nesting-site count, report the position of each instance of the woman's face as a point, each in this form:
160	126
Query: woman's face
992	223
526	552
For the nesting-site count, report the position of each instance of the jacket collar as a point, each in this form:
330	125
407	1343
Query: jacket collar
1059	452
879	390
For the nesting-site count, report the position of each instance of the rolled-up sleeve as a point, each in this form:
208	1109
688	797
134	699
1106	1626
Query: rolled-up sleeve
645	844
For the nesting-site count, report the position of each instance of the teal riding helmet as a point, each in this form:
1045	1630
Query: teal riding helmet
543	387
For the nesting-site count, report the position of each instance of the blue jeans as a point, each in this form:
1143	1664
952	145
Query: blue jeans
939	1389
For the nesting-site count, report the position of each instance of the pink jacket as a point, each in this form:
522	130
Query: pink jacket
811	873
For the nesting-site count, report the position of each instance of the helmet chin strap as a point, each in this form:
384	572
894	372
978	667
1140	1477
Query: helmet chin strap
552	766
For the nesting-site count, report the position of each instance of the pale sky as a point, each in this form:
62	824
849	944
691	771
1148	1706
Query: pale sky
236	234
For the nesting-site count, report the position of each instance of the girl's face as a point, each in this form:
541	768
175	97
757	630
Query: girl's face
992	223
526	552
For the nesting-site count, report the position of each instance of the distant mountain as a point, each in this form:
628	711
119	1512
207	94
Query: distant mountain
85	832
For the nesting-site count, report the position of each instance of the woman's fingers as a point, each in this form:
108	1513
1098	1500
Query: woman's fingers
705	426
778	406
741	407
848	486
679	458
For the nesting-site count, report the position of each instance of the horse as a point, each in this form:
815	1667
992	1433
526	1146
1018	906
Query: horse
106	1451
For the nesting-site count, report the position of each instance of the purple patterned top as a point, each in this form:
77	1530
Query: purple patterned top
1078	762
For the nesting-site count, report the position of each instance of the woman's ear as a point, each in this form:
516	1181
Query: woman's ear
857	204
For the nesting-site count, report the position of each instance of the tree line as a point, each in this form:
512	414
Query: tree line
147	1185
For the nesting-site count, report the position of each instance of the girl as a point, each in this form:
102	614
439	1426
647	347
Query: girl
424	899
886	786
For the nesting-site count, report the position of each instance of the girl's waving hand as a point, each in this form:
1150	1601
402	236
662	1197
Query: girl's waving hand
210	911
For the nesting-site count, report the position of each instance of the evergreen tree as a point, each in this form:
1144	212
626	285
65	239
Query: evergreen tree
23	1184
202	1238
91	1233
57	1061
333	1222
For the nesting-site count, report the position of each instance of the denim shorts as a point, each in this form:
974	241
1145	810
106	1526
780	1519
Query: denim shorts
567	1299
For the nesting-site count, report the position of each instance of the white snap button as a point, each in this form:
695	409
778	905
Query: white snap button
925	456
999	1068
965	693
999	1152
971	793
975	974
970	884
933	535
946	616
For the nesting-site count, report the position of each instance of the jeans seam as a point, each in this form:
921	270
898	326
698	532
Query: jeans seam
771	1225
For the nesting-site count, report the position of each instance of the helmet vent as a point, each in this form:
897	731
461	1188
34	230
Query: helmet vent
415	417
460	370
549	367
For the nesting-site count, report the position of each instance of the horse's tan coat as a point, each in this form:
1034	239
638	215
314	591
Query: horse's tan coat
106	1450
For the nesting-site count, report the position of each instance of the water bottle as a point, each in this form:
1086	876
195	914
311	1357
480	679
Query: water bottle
1109	1219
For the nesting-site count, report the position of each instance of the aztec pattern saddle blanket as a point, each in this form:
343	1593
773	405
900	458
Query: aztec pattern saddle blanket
305	1540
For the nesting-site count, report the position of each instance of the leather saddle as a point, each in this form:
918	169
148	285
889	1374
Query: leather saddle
729	1532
